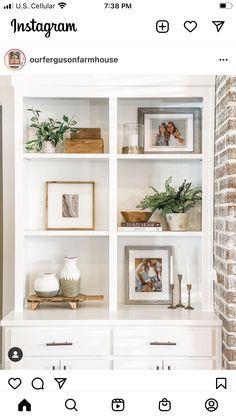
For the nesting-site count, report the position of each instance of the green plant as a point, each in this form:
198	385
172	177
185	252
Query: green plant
48	130
172	200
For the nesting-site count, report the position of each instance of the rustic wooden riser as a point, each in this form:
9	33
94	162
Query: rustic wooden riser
35	300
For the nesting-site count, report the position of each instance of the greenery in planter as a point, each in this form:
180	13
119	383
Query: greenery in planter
48	130
172	200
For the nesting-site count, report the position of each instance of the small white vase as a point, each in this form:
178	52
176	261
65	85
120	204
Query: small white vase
70	277
47	285
48	147
177	222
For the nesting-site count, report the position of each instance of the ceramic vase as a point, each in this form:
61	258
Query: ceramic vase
48	147
70	277
177	222
47	285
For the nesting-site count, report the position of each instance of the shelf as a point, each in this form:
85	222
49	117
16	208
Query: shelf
65	156
160	233
105	156
98	314
164	156
105	233
65	233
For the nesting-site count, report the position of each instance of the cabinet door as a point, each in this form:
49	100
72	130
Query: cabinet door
85	364
138	364
189	364
34	364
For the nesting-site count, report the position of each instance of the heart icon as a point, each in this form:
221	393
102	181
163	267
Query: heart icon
190	25
14	383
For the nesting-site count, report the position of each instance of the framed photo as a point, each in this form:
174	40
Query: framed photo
171	129
148	275
70	205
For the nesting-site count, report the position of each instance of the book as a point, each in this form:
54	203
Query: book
147	224
140	229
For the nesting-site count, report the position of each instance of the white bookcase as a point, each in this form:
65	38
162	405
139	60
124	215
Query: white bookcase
121	181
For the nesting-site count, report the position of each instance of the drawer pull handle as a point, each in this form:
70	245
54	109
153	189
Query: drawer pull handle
162	343
59	344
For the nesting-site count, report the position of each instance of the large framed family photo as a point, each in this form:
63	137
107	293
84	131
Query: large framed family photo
70	205
148	274
174	129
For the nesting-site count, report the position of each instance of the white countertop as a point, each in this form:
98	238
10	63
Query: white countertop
95	314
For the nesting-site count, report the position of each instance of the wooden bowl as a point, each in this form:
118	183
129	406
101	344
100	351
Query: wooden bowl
136	216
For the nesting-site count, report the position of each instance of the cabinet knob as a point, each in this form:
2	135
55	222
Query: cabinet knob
53	367
169	367
59	344
64	367
162	343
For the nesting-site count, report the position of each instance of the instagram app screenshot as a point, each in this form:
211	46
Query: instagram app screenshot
118	208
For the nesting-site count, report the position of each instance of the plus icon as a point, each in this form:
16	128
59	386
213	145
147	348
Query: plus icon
162	26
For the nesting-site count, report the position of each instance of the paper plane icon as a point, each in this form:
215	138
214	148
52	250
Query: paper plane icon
218	24
60	382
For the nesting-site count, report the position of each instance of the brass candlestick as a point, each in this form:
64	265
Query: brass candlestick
189	307
180	304
172	306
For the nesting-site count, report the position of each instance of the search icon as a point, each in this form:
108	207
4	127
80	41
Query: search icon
71	404
38	383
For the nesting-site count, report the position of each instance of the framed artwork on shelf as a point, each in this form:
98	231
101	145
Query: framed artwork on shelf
148	274
70	205
173	129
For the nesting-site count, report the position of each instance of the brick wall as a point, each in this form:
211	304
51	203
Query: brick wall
225	215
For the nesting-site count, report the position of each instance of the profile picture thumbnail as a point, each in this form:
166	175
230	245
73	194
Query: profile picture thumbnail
14	59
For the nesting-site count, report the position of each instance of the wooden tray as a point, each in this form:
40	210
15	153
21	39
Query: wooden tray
35	300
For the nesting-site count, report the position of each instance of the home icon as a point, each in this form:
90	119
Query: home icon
24	405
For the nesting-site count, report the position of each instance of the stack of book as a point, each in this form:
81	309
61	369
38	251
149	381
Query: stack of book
148	226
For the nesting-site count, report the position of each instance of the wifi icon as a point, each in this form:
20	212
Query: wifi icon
62	5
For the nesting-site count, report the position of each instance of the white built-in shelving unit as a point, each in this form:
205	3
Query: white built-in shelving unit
120	182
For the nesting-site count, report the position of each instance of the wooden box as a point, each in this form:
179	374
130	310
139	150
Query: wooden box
87	133
90	146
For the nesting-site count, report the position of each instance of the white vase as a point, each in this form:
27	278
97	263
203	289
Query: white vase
70	278
48	147
47	285
177	222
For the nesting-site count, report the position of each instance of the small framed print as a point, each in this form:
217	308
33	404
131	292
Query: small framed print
148	275
70	205
171	129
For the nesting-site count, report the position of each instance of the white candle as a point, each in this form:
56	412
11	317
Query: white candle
188	270
133	140
171	270
179	261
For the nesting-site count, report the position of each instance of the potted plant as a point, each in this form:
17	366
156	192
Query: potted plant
49	133
174	203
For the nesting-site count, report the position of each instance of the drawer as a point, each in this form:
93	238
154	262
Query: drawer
157	364
60	341
164	342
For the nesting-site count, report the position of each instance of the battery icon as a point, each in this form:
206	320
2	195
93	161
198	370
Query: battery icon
227	5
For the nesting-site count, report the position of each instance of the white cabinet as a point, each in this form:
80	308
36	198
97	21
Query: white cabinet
59	364
163	342
60	341
85	364
115	347
33	364
167	364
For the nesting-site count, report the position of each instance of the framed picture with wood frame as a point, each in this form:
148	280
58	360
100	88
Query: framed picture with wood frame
70	205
